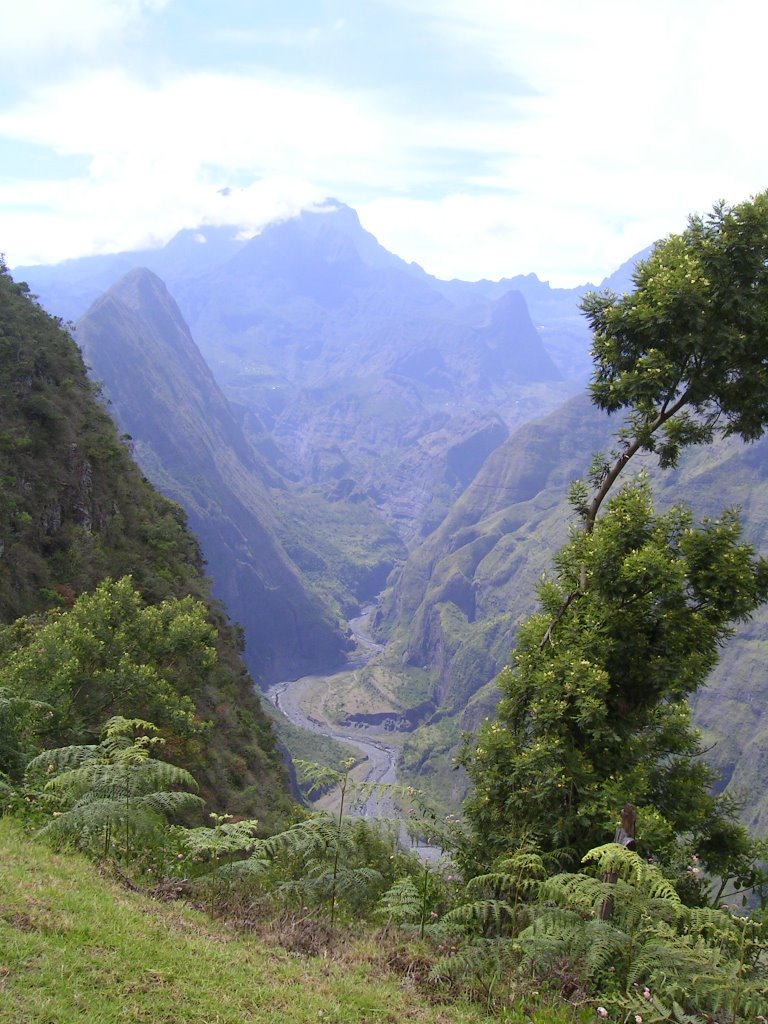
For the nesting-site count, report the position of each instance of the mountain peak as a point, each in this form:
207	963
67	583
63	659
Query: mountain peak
140	289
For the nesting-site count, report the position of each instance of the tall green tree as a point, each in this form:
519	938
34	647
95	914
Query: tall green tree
594	706
597	715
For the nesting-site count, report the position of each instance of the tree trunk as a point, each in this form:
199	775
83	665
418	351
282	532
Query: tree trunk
625	836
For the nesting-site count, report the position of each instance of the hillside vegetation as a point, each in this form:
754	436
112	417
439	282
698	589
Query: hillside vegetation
76	511
81	949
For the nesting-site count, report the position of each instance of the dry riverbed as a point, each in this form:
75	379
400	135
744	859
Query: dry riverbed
312	702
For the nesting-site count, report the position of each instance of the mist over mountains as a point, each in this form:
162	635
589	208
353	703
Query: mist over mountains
334	419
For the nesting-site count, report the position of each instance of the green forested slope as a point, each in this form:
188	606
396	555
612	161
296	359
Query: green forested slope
74	510
456	604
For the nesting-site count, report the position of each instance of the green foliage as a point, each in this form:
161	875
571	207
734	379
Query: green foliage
334	863
114	796
74	511
111	653
491	910
594	713
20	718
684	352
333	868
224	845
654	957
402	902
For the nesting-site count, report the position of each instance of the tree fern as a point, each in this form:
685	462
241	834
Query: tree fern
402	902
498	900
686	961
325	861
219	848
114	788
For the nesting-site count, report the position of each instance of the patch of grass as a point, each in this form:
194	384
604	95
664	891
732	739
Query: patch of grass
77	949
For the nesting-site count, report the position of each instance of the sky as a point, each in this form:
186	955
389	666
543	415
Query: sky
480	138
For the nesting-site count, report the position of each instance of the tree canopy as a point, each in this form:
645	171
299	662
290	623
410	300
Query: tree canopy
594	709
598	714
686	352
110	654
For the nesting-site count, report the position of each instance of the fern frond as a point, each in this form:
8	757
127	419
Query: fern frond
481	913
156	775
605	944
554	934
239	870
524	864
630	867
317	832
172	805
61	759
493	881
354	883
87	822
578	891
318	777
118	727
226	839
401	902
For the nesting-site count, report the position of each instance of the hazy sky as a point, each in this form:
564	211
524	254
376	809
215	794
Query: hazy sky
481	138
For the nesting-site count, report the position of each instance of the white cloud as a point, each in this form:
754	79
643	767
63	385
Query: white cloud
34	29
637	116
234	122
157	155
493	236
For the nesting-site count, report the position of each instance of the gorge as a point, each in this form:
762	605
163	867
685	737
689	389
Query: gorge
344	422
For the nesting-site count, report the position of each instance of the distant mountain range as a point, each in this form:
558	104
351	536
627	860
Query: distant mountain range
334	401
342	415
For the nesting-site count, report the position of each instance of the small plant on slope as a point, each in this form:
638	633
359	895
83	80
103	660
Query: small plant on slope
115	791
222	850
498	905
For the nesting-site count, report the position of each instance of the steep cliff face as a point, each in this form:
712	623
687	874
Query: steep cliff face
454	607
351	370
75	509
190	445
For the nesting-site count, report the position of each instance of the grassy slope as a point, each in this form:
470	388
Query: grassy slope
76	948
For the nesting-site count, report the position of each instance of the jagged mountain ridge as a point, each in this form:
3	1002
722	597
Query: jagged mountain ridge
187	441
345	364
355	360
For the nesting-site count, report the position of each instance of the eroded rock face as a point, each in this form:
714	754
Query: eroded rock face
392	721
188	442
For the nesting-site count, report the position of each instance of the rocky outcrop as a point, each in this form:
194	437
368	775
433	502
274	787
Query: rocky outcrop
191	446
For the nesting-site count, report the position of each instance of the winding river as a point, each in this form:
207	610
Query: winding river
288	697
